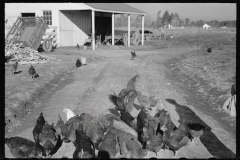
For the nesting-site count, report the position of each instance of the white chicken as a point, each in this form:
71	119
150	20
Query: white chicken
83	60
69	113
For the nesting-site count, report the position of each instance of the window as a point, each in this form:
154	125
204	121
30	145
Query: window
47	15
28	14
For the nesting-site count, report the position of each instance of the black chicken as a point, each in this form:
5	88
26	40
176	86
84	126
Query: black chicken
48	139
176	139
78	63
118	101
128	119
209	50
38	128
196	130
24	148
14	66
33	72
84	146
133	55
142	121
78	46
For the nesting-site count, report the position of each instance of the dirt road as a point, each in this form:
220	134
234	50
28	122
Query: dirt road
88	87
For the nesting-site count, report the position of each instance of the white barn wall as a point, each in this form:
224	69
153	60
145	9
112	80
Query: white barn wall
14	10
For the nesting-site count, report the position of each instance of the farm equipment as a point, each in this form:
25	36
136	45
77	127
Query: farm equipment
29	32
123	36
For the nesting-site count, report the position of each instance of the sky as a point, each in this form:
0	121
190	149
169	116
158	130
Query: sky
193	11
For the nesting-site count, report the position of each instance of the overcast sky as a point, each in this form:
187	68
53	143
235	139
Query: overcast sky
193	11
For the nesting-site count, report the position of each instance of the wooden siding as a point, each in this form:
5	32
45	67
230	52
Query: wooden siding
74	26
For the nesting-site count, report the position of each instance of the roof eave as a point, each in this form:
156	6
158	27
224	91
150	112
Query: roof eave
120	12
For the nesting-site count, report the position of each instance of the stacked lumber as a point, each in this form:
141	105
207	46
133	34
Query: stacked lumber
23	54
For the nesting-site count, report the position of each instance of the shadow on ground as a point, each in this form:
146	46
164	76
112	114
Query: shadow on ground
208	139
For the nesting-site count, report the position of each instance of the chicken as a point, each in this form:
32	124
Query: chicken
84	146
59	125
209	50
118	101
83	61
13	67
38	128
69	113
163	118
48	139
33	72
155	143
133	55
170	126
131	84
123	92
196	130
130	98
145	101
128	119
110	144
78	46
78	63
24	148
119	143
98	126
77	122
176	139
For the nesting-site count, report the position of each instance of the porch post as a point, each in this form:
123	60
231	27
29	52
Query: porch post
129	30
142	30
113	18
93	30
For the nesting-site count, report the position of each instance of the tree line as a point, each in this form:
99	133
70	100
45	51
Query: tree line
169	18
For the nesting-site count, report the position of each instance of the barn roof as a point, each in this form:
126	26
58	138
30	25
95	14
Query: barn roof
114	8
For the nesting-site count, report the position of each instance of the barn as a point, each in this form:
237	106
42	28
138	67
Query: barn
75	21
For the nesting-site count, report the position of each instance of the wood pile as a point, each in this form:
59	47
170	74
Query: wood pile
23	54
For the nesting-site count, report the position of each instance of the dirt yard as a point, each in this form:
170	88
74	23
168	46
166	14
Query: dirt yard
171	70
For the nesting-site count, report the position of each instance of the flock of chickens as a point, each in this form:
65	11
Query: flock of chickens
111	135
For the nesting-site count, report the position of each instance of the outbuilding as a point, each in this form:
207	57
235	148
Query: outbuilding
75	21
206	26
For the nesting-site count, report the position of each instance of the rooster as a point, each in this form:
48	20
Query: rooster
38	128
69	113
24	148
84	146
78	63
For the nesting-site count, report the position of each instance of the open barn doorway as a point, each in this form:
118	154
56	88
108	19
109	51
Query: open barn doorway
103	25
